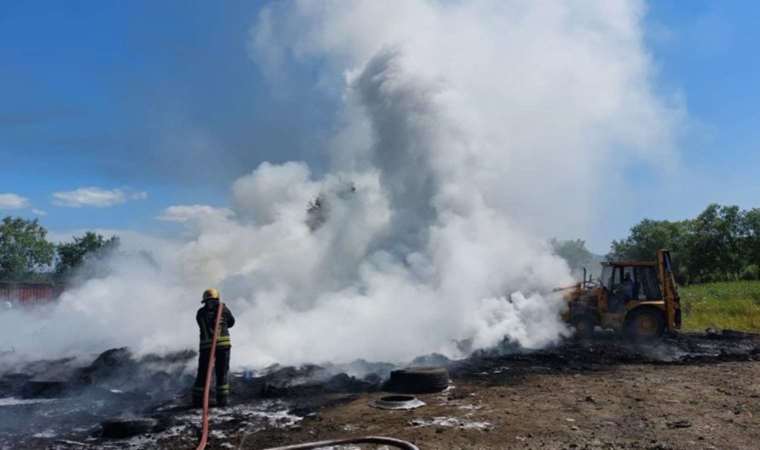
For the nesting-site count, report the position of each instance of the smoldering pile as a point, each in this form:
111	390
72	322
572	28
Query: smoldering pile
119	394
609	349
48	398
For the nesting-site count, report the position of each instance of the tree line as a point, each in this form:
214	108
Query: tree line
720	244
577	256
27	255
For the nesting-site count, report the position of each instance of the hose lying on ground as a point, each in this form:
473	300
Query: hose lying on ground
209	370
380	440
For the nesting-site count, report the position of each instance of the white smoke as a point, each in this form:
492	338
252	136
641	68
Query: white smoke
470	132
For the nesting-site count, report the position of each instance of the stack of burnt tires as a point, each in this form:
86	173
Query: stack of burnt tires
418	380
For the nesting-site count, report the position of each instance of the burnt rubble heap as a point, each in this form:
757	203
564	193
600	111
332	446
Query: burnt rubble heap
52	397
119	395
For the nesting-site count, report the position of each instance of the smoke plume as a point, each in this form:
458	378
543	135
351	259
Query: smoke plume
468	133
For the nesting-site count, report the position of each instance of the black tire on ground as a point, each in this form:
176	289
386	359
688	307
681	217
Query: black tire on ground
645	324
123	428
44	389
418	380
583	325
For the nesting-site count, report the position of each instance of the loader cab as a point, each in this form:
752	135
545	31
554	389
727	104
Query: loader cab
642	278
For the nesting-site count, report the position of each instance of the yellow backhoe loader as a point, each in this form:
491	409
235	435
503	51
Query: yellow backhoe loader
637	298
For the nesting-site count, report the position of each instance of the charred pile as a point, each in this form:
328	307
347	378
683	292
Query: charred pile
119	395
606	350
48	398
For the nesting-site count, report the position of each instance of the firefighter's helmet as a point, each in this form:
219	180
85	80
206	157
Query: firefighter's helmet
210	294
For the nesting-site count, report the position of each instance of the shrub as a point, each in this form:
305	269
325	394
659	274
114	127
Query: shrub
751	272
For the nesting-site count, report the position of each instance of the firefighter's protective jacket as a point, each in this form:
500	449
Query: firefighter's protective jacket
206	317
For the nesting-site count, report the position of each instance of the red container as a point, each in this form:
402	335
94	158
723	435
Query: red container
29	294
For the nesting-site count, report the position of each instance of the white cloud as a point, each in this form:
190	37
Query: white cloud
13	201
95	196
39	212
188	213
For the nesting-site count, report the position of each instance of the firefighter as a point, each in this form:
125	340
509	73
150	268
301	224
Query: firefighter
206	318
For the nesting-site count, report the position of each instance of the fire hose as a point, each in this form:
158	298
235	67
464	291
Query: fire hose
380	440
209	371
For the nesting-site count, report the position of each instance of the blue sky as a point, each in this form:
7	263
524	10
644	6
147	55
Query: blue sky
705	51
162	98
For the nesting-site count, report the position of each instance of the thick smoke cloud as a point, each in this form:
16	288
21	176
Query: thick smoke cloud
470	132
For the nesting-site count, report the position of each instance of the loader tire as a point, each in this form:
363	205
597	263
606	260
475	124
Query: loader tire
119	428
418	380
645	324
583	326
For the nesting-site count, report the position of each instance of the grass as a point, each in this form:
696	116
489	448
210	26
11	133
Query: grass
731	305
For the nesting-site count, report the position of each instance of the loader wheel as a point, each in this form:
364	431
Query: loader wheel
584	326
119	428
645	324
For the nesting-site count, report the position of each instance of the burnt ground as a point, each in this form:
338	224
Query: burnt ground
628	407
689	391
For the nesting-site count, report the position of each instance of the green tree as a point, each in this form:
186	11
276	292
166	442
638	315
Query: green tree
714	245
24	249
73	255
575	253
751	241
648	236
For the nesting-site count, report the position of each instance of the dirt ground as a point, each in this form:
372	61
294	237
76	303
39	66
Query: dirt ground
702	406
685	391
